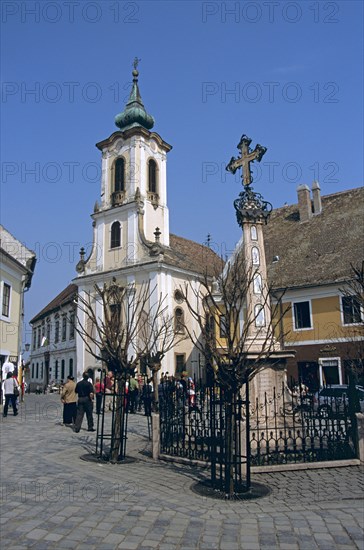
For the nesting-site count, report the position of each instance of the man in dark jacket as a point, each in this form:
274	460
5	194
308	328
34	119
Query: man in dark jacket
85	392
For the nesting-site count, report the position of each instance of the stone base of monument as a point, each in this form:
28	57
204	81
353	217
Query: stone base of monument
270	382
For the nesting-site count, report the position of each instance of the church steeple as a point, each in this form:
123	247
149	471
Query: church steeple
134	113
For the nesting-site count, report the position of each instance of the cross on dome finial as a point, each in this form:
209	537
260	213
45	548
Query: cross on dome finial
134	113
135	71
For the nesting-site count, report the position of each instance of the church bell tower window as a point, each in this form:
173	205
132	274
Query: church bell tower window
119	175
118	190
152	176
153	183
115	235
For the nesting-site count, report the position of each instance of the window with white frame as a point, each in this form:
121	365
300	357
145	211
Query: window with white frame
48	331
119	176
302	315
351	309
152	176
255	256
56	331
115	237
223	326
330	371
72	326
179	321
257	284
6	300
64	328
259	314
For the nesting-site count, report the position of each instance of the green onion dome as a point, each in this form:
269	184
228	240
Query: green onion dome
134	113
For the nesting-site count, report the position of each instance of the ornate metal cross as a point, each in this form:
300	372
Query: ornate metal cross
247	156
136	62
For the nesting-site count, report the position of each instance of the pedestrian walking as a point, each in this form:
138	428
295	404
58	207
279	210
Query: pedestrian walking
85	392
11	392
140	392
109	389
148	397
99	390
133	393
69	400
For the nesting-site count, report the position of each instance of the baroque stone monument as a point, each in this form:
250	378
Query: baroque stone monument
252	213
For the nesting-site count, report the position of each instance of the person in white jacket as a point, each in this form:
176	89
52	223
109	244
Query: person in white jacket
10	387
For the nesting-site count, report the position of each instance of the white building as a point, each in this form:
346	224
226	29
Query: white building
53	351
17	268
131	238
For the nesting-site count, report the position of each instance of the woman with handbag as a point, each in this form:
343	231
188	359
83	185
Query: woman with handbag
11	392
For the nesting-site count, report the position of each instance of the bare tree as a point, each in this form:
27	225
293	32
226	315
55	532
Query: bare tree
236	336
246	337
353	336
122	325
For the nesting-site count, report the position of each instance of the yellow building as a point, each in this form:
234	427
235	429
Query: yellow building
310	248
17	268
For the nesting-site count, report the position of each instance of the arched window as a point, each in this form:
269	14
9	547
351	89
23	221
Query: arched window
253	233
115	235
56	332
257	284
179	320
259	315
119	175
152	176
255	256
70	369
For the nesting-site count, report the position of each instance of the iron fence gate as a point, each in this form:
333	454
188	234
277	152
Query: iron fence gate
206	425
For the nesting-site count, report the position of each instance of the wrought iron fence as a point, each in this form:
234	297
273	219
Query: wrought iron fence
293	426
112	419
203	423
286	426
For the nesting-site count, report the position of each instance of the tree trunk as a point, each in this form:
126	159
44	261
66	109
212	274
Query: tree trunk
155	368
229	444
118	418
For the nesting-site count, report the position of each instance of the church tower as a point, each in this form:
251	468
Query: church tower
133	215
131	240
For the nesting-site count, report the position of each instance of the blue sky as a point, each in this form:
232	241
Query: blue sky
287	74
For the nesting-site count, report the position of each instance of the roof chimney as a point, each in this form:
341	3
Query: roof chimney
304	202
316	195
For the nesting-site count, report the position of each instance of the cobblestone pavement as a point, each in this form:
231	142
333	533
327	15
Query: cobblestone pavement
52	499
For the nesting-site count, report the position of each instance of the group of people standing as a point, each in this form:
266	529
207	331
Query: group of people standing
77	401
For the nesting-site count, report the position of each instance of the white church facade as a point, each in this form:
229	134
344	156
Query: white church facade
132	242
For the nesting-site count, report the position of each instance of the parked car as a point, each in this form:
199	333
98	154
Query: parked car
333	400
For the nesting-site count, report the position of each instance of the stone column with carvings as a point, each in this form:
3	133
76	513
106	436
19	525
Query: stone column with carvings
252	213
